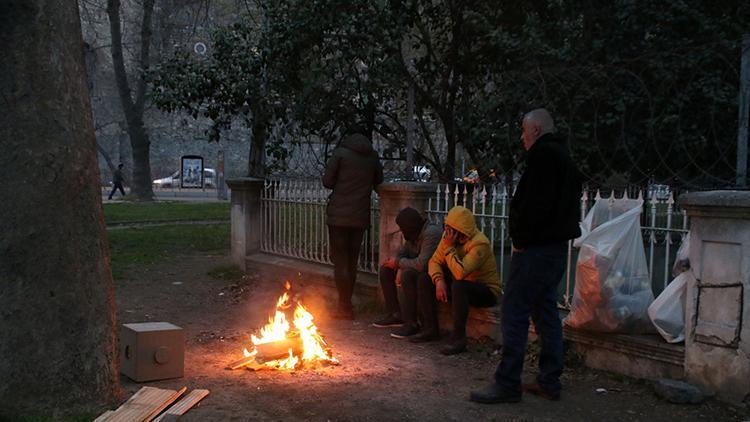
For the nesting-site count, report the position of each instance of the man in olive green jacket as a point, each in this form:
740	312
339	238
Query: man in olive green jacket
353	172
463	264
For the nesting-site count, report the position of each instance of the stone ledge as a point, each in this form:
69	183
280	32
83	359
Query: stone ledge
304	272
639	356
716	204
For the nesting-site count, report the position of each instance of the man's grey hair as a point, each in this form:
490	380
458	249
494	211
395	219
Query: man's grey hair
541	117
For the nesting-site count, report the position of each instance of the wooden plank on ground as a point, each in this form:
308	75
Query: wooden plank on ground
103	417
144	405
182	406
166	404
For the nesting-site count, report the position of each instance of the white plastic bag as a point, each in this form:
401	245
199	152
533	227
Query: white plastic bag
682	260
668	310
613	288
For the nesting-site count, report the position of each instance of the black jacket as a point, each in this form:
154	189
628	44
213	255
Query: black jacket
546	205
352	172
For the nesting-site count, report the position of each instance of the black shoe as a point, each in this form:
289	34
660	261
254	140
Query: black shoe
494	394
455	347
406	330
388	321
537	390
424	337
345	314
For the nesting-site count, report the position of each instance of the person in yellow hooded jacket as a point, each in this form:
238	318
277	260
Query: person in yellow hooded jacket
463	269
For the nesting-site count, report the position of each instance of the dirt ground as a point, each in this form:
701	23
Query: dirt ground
379	378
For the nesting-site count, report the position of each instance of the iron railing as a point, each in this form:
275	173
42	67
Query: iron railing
663	227
293	223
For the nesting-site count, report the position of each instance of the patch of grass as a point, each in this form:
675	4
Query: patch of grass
226	272
165	211
148	245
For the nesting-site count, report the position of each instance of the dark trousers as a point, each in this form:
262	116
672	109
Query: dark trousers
116	185
345	243
462	295
531	291
407	308
427	304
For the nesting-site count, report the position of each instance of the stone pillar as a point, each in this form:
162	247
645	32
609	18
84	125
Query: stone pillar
245	217
717	315
393	198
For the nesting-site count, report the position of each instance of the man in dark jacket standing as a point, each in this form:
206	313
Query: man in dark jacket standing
544	215
353	172
117	179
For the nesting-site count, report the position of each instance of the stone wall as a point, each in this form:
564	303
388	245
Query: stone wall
717	344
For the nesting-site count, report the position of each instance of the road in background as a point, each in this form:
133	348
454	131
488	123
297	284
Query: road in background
188	195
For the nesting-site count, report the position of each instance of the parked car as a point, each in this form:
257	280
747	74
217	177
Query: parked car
173	180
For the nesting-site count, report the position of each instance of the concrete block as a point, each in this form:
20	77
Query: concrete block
719	315
721	263
152	351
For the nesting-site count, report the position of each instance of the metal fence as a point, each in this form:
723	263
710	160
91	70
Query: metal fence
293	216
663	227
294	225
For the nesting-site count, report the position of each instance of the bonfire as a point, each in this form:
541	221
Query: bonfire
284	346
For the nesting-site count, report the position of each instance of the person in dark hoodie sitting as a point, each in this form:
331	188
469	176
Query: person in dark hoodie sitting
544	215
352	172
406	270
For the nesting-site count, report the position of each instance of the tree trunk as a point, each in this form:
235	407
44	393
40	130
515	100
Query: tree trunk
259	130
57	307
140	185
450	139
107	158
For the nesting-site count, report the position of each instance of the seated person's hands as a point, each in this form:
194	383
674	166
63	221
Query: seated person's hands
391	263
453	237
441	291
450	235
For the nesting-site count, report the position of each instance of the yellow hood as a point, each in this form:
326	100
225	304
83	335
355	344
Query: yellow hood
461	219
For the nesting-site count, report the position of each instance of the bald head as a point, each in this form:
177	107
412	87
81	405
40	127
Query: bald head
535	124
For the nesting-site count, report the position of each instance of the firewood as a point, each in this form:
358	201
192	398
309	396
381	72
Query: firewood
269	351
278	349
241	362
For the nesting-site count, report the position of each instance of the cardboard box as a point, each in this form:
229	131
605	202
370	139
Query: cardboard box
152	351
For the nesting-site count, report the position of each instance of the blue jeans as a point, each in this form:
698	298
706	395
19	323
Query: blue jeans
531	291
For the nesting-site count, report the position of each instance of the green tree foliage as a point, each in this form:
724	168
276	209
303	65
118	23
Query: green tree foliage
646	90
232	81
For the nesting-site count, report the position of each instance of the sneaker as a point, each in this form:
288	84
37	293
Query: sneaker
424	337
406	330
388	321
494	394
455	347
537	390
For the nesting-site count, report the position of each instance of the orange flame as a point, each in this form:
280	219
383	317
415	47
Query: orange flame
314	347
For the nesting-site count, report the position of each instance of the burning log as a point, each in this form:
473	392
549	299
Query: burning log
285	344
265	352
278	349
